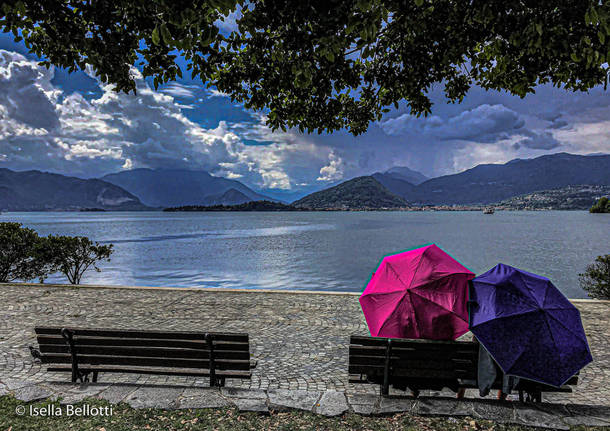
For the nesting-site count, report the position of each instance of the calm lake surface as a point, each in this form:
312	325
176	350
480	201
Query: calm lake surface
333	251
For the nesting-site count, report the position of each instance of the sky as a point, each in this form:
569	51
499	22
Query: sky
73	124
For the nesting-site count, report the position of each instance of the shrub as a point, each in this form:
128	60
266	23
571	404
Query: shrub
601	206
596	279
17	253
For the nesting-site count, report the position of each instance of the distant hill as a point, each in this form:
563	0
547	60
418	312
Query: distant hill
406	174
230	197
566	198
396	185
42	191
248	206
494	182
177	187
357	193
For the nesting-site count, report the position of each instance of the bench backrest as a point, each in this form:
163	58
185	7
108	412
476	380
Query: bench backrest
195	350
385	358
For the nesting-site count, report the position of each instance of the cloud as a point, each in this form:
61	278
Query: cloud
540	141
333	171
178	91
75	135
485	123
212	92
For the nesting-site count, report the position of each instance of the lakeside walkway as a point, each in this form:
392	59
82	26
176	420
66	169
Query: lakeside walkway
300	340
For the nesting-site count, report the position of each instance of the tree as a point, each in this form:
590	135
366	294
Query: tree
601	206
72	256
596	279
324	66
17	253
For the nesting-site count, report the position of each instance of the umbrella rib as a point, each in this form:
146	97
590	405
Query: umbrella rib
387	318
579	336
430	301
529	290
506	317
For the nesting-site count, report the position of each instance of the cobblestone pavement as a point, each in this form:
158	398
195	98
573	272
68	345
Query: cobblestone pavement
300	340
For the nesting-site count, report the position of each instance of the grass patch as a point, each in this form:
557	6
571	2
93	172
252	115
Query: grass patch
125	418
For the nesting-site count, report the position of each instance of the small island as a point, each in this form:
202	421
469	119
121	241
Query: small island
247	206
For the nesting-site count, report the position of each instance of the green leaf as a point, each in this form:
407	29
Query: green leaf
155	36
419	3
167	37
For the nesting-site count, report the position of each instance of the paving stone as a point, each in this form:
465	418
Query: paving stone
12	384
395	405
283	399
363	404
494	410
202	398
154	397
32	393
117	393
3	390
531	416
77	393
332	403
593	416
443	407
251	405
231	392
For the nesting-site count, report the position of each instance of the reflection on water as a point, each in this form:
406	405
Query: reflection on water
323	250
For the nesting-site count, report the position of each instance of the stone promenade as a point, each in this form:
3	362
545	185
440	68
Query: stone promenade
300	340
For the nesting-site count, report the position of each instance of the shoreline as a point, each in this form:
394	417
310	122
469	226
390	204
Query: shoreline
221	290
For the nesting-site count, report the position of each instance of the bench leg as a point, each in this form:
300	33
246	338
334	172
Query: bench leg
94	378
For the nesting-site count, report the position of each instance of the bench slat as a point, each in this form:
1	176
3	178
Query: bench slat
158	371
133	333
397	363
355	350
226	364
161	352
144	342
417	344
415	373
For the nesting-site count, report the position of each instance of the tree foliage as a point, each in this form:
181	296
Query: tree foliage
601	206
323	66
72	256
24	255
17	253
596	279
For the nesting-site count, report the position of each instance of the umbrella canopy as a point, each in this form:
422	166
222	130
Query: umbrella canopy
527	325
421	293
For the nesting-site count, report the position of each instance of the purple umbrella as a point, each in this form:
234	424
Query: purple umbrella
527	325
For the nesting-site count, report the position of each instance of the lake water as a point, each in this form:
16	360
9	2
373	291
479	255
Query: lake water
333	251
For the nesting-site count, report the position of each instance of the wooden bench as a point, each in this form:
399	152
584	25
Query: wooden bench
427	364
79	351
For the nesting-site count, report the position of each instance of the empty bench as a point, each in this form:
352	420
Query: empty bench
83	352
428	364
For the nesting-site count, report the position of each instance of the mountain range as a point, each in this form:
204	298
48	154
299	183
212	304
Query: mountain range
141	189
483	184
177	187
42	191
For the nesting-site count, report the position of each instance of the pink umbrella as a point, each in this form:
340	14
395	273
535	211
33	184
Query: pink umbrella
420	293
